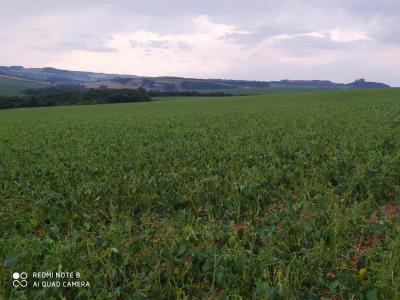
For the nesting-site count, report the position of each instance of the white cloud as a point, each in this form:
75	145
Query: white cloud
336	35
201	52
345	36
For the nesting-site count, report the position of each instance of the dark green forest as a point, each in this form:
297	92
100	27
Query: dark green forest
78	95
69	96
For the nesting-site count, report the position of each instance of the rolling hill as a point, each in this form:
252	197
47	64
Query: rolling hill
115	81
15	86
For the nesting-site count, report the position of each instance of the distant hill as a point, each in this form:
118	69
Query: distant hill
54	76
362	84
14	86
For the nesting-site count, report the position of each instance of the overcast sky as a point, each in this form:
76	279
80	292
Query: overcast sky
341	40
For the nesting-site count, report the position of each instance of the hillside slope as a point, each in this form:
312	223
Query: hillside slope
168	83
13	86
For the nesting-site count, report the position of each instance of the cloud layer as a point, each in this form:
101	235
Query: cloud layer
264	40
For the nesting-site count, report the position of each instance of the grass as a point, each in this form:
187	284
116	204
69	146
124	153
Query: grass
290	196
15	87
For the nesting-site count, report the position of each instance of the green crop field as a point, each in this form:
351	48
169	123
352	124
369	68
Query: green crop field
261	90
16	87
288	196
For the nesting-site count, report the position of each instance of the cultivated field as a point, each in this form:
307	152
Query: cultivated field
262	90
14	86
263	197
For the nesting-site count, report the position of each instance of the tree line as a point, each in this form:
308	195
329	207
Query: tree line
55	96
79	95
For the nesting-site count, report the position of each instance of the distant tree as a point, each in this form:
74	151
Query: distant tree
53	96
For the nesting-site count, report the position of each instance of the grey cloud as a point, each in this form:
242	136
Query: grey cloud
150	44
387	31
371	7
88	24
161	44
311	44
134	44
84	46
168	45
184	46
263	18
248	39
83	42
180	8
148	52
258	34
